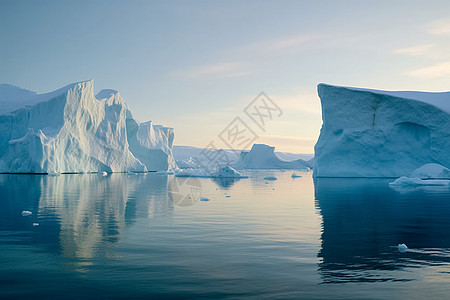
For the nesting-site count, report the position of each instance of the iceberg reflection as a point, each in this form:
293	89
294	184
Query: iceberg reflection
363	221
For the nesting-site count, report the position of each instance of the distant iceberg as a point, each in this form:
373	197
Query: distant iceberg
222	172
431	171
262	156
370	133
414	181
72	131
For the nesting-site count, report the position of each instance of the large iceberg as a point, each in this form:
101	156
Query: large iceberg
262	156
370	133
72	131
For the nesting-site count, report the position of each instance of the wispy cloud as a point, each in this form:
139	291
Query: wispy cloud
219	70
438	27
417	50
432	72
287	44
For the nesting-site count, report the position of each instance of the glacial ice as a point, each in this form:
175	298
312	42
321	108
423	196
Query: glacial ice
262	156
402	248
414	181
72	131
26	213
369	133
431	171
222	172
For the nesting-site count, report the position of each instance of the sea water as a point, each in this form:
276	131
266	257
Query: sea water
150	236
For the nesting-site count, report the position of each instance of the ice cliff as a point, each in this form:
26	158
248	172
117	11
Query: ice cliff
370	133
72	131
262	156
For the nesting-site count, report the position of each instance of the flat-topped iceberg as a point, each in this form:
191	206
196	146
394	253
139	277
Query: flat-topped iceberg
369	133
71	131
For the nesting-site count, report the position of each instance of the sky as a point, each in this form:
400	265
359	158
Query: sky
196	65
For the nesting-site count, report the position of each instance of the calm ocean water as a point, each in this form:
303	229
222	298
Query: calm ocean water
132	236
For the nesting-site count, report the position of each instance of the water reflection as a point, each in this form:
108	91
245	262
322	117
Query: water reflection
80	216
225	182
364	220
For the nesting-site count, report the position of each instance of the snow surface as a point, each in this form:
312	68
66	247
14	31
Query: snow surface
72	131
431	171
262	156
369	133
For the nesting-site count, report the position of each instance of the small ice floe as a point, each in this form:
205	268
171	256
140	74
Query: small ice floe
296	176
35	224
204	199
402	248
414	181
26	213
270	178
104	173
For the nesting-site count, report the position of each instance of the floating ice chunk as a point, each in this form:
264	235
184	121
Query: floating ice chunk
35	224
402	248
296	176
26	213
227	172
104	173
204	199
270	178
408	181
223	172
431	171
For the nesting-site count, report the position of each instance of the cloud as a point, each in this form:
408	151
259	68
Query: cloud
438	27
220	70
417	50
299	102
432	72
288	43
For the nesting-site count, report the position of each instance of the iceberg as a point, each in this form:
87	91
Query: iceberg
414	181
431	171
72	131
262	156
371	133
222	172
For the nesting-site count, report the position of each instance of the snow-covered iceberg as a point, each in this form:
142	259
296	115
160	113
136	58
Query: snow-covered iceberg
370	133
71	131
262	156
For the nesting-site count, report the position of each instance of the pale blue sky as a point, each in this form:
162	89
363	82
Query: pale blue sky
195	65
